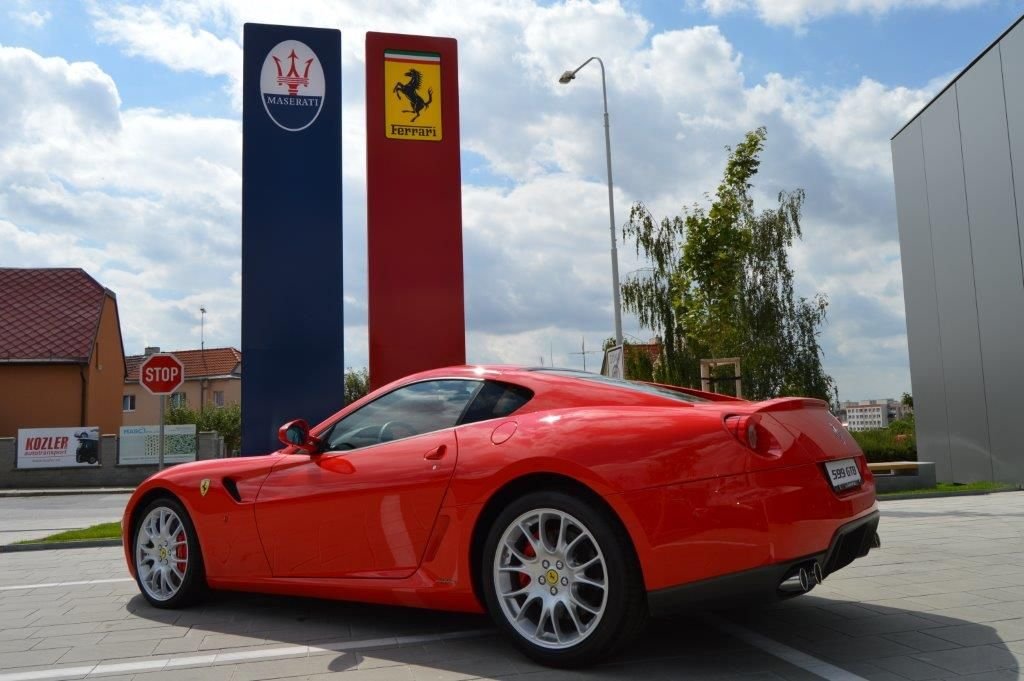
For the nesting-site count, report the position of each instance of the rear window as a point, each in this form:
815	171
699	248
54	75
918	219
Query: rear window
496	400
628	385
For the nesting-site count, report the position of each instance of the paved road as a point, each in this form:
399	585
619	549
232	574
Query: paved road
34	517
943	599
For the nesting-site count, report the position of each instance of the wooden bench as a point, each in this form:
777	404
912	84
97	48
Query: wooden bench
898	476
894	467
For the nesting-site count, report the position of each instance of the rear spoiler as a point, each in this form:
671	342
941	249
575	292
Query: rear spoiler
791	404
710	397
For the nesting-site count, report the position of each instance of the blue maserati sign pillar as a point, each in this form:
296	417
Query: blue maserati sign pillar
292	332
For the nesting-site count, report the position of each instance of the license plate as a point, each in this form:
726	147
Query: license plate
843	474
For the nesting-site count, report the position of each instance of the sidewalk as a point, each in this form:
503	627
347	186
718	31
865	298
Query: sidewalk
64	491
34	514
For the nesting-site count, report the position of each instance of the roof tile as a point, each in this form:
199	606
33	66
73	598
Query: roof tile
48	314
198	363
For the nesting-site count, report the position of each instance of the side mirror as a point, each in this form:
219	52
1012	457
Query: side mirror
296	434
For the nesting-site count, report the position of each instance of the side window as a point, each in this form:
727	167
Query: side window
496	400
411	410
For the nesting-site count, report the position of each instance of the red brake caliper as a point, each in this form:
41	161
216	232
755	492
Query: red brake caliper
181	552
528	551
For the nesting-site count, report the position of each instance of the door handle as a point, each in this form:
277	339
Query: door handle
435	454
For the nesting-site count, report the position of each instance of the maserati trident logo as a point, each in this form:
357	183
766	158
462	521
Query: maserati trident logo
292	85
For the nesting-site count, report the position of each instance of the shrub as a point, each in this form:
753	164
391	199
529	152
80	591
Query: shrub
895	443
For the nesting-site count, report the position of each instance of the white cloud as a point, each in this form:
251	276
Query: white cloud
31	18
149	201
798	13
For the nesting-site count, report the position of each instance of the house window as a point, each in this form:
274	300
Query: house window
218	398
178	400
128	403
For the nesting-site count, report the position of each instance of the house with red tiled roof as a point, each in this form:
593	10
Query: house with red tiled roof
61	354
213	378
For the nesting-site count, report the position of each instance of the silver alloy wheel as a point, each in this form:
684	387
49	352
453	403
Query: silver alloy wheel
161	553
550	578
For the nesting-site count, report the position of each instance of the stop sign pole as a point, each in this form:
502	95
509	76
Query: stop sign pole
161	374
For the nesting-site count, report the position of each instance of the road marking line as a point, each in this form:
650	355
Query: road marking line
161	663
782	651
47	585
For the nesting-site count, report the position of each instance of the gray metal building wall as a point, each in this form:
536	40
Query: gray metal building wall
959	174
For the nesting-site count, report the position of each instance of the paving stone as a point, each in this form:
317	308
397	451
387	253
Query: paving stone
883	624
911	668
920	640
971	660
97	653
31	657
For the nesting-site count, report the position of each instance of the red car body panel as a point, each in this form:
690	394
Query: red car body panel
393	522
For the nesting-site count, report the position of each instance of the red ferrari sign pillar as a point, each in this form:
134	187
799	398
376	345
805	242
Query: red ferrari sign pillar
161	374
414	205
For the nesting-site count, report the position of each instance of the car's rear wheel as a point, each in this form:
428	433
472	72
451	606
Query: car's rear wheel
168	560
561	578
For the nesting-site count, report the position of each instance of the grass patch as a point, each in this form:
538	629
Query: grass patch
101	531
952	487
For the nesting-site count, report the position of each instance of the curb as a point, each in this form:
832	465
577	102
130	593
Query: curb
46	546
64	492
938	495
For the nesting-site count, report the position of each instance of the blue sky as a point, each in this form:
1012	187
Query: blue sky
120	150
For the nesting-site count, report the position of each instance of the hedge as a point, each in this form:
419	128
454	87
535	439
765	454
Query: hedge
898	442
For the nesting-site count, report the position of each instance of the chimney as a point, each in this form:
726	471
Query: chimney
152	350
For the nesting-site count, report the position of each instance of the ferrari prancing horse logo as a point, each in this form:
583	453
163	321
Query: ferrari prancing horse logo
412	95
204	486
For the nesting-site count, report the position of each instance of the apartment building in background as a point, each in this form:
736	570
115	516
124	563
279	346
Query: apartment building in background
213	377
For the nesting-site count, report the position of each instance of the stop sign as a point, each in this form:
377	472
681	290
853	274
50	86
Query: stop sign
161	374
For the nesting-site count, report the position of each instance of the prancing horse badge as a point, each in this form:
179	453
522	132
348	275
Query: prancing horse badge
204	486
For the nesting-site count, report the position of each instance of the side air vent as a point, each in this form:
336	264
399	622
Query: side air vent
232	489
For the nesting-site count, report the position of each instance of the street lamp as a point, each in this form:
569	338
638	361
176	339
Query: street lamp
565	79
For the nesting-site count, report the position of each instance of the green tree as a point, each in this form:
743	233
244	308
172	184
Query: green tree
226	421
720	285
357	384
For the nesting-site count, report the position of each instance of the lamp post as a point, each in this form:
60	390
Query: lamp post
565	79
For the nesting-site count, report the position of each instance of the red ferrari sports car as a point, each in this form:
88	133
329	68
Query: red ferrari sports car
567	505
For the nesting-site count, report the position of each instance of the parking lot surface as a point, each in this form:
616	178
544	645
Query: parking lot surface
942	599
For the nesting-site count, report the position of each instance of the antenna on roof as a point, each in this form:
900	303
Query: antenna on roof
202	328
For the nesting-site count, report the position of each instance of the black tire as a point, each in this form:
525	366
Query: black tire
93	459
193	585
625	609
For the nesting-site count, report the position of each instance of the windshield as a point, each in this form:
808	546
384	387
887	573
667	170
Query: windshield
629	385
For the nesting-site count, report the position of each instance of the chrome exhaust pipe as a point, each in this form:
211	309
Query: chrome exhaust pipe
799	582
819	576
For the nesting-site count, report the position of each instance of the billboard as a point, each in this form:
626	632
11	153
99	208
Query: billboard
292	328
58	447
141	444
414	205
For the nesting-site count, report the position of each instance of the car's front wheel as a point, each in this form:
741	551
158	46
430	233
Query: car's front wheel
168	560
560	577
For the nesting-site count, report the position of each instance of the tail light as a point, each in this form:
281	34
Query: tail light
752	433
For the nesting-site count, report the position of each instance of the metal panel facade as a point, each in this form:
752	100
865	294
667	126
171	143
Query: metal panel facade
992	214
960	237
954	287
926	366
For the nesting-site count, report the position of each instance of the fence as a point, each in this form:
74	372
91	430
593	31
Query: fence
108	473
